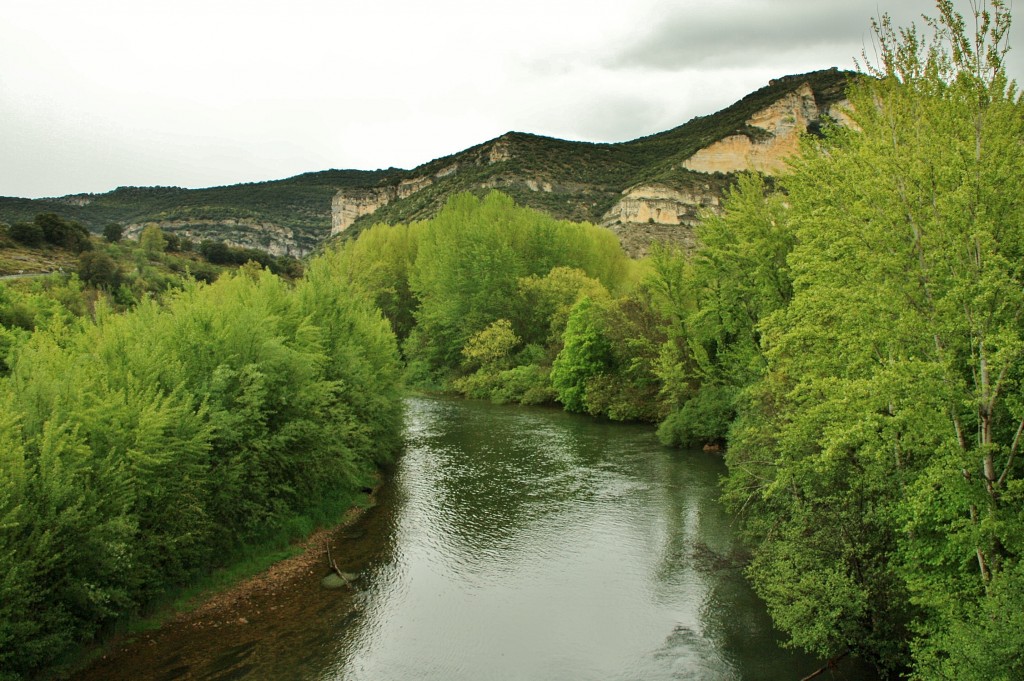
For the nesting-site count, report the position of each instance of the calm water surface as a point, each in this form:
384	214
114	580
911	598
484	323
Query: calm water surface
514	543
531	544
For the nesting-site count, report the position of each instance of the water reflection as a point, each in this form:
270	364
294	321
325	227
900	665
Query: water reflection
531	544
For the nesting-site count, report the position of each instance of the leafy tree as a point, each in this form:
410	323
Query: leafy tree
737	278
27	233
247	406
471	257
876	461
487	354
99	270
113	232
544	303
216	252
586	355
152	241
379	264
60	232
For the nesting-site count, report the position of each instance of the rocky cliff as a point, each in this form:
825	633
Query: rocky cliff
265	236
652	189
661	211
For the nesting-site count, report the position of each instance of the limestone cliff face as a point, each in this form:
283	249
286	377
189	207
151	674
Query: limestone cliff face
654	212
265	236
650	212
350	204
774	137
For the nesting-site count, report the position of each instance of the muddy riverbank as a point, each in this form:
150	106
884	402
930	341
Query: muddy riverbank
246	619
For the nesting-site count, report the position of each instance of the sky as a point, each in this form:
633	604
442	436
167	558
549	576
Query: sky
96	94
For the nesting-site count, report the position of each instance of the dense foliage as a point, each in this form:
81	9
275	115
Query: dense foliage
875	457
141	449
852	331
502	302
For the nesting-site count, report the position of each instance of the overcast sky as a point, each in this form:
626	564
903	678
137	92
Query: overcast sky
95	94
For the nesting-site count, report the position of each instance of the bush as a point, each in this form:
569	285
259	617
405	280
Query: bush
99	270
27	233
113	232
702	419
63	233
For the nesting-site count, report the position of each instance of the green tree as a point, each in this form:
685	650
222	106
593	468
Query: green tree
64	233
585	356
113	232
737	278
876	461
471	257
27	233
153	241
99	270
487	355
216	252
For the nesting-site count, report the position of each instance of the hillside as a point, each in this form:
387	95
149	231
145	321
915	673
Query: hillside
284	217
648	189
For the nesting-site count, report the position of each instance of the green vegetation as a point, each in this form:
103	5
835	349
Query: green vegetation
874	457
301	203
851	331
483	294
141	450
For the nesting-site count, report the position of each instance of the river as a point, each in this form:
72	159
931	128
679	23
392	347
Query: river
513	543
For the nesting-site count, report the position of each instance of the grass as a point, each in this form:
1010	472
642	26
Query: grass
18	259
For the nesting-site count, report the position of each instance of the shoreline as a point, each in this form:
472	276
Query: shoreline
231	610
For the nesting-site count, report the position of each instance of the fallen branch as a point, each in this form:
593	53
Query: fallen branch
831	664
331	564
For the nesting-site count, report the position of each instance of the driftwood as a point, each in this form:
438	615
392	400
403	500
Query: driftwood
831	664
334	566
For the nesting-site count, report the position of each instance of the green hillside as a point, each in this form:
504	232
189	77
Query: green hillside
586	179
301	203
570	180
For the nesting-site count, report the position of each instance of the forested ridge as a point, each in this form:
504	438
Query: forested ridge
851	333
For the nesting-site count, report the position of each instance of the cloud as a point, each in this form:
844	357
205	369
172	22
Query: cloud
747	32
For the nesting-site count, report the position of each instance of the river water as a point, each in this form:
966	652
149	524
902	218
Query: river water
516	544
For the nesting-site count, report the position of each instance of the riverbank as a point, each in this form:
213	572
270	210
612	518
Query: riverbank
237	613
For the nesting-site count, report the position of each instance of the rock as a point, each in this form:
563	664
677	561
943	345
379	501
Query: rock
337	581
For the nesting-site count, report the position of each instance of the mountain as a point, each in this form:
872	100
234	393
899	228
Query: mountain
648	189
283	217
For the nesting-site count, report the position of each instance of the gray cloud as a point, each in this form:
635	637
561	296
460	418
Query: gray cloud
741	33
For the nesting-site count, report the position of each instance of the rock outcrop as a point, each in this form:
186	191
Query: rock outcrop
653	212
349	205
265	236
772	137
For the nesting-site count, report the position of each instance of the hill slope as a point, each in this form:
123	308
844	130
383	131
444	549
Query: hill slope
648	189
284	217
